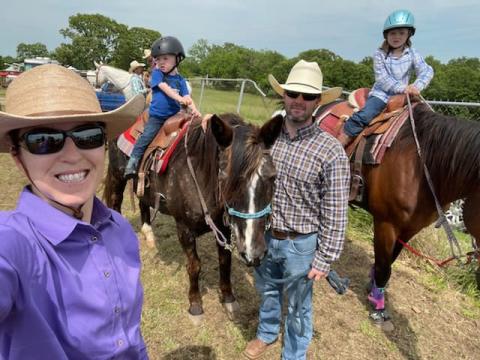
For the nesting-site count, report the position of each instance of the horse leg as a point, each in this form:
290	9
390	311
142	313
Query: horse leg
114	188
385	236
188	242
471	220
146	229
227	298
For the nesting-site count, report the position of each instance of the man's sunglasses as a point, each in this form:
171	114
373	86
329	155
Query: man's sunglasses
306	97
42	141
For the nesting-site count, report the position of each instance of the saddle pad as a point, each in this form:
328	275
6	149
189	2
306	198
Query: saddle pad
160	164
377	144
126	141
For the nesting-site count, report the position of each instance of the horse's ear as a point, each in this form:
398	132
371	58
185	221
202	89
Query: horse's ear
222	131
270	130
97	65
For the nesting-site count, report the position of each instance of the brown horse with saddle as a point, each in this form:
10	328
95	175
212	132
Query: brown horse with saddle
393	179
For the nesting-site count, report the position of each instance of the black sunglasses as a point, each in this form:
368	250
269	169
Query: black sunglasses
306	97
42	141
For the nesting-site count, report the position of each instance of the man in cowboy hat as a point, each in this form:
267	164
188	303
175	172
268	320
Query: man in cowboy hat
138	86
69	266
309	214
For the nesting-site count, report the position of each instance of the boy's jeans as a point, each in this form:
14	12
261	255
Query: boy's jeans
154	124
285	258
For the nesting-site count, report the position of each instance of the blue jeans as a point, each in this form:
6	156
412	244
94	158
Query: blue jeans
355	123
149	132
286	258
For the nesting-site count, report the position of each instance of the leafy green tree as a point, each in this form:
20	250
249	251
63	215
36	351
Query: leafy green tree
93	37
25	51
131	44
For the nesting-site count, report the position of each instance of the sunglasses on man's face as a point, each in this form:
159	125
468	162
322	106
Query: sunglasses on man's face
42	141
306	97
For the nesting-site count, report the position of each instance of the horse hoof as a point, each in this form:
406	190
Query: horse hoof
232	309
147	232
382	319
197	320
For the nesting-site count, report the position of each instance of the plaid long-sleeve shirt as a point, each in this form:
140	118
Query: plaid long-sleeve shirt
311	190
392	74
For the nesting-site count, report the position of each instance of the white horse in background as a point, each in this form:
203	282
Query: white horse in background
120	79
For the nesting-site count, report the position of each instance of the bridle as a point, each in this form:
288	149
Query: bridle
220	237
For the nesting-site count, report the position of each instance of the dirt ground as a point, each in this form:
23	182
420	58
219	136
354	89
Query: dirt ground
432	320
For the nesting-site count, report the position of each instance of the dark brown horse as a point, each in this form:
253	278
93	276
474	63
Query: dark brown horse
235	175
397	193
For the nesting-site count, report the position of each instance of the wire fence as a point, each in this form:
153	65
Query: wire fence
465	110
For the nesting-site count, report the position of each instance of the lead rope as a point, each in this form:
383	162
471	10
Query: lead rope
221	239
454	245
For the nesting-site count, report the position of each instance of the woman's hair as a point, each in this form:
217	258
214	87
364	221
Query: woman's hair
15	138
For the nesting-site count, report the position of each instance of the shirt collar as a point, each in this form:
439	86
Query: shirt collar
302	133
54	224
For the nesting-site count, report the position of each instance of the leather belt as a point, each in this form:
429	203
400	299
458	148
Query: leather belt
284	235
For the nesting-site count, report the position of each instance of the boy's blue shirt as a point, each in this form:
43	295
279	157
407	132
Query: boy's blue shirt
162	105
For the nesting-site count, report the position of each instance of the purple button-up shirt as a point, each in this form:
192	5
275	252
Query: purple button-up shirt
68	289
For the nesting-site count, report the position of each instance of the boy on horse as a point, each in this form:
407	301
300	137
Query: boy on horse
393	64
169	92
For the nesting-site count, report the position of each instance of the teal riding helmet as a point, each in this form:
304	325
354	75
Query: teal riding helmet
399	19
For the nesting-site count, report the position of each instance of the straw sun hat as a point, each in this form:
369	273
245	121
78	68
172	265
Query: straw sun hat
307	78
50	94
135	64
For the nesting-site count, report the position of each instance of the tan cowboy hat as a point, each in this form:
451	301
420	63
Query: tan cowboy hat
146	53
305	77
135	64
53	94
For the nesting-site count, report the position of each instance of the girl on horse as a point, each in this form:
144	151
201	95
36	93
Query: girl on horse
69	266
393	64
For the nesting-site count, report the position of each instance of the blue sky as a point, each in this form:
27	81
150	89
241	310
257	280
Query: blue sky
446	29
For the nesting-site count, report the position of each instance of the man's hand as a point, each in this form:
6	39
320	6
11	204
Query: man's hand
316	275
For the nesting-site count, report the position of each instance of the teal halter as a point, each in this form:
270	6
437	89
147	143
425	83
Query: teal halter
256	215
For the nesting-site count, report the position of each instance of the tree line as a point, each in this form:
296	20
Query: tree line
96	37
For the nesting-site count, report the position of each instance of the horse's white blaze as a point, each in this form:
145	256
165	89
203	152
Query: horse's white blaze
249	230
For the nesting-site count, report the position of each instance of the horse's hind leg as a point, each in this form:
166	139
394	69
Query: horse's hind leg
146	230
187	240
225	265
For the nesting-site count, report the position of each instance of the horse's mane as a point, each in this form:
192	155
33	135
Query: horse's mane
450	147
244	154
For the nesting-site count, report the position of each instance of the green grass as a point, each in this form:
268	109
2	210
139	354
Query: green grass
254	108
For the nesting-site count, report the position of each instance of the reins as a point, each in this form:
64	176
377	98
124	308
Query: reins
219	236
442	220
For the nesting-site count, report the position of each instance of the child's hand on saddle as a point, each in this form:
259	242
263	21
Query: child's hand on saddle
412	90
185	101
195	112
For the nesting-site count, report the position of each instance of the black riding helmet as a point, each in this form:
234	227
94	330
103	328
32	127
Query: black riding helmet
168	45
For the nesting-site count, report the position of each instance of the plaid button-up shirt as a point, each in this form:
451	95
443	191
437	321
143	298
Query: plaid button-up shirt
392	74
311	190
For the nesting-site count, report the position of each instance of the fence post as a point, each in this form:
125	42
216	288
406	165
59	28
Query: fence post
240	98
202	89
